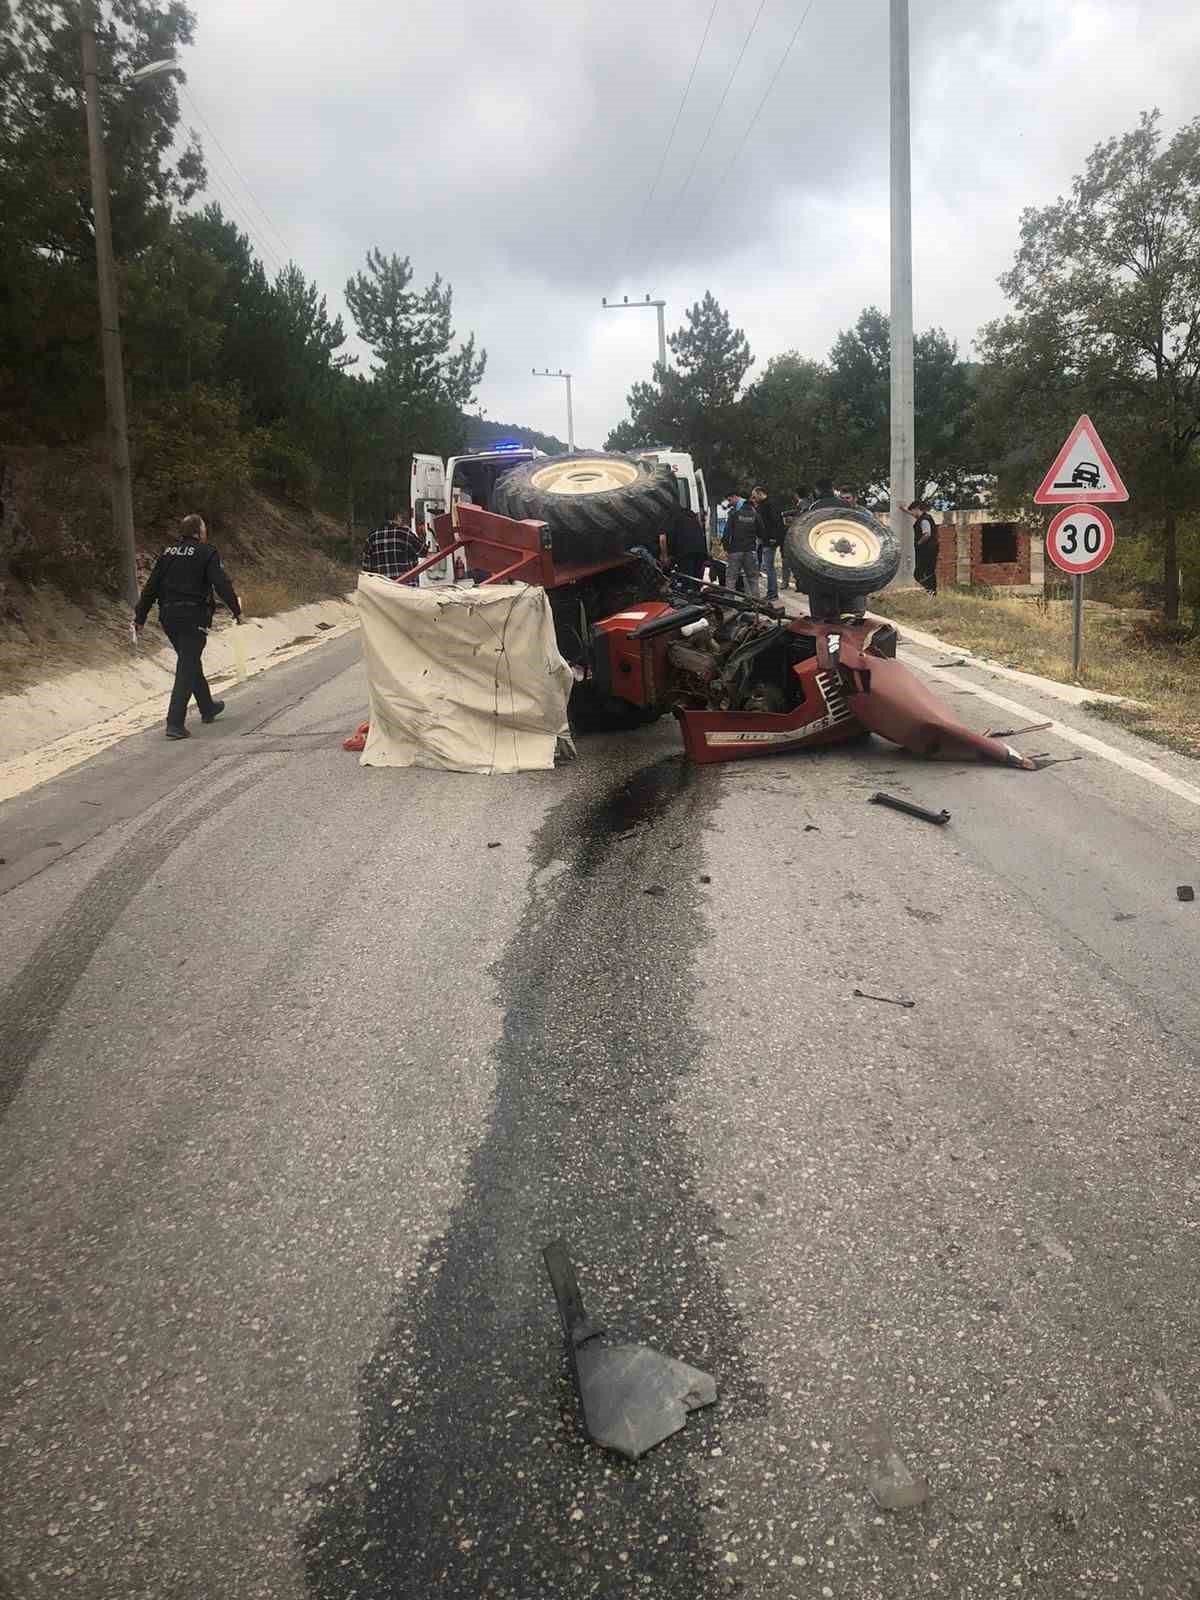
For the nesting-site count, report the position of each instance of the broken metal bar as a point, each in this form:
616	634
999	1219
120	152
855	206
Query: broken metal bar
1011	733
940	818
861	994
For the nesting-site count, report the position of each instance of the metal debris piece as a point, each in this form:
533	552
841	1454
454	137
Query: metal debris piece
1011	733
493	844
631	1397
655	889
1185	892
961	662
894	1488
861	994
811	827
938	817
1045	759
705	878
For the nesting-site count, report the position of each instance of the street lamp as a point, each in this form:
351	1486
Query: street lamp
637	305
110	317
155	69
570	414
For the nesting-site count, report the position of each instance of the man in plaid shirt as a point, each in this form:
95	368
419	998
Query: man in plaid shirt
393	550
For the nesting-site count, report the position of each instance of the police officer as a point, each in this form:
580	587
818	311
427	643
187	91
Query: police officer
183	581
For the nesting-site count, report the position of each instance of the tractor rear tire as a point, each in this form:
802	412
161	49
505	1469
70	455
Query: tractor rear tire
843	550
596	504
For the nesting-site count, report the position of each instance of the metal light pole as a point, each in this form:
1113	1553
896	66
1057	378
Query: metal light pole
637	305
110	317
903	465
570	414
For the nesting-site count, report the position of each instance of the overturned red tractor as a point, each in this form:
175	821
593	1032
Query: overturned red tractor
742	677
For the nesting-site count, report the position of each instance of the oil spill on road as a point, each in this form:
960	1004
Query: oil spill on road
472	1475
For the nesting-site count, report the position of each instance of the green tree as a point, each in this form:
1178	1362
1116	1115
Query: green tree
422	380
410	332
790	440
48	319
693	405
1105	290
947	455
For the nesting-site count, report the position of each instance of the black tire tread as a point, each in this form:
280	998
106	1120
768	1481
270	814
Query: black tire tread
586	528
867	580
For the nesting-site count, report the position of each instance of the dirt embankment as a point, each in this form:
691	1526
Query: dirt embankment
57	611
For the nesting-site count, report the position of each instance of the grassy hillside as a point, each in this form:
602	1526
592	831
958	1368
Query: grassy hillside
57	607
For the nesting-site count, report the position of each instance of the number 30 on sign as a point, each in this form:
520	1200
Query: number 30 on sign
1080	539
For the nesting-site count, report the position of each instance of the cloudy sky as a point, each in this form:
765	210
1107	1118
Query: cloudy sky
515	149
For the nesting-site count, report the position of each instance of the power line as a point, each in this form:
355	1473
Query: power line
716	114
238	214
646	203
287	249
750	126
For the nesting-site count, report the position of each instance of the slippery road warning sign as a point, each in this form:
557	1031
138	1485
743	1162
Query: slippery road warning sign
1083	471
1080	539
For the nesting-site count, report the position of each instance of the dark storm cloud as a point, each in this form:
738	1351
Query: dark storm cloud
514	149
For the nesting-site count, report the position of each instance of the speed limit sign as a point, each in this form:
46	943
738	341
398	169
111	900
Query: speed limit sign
1080	539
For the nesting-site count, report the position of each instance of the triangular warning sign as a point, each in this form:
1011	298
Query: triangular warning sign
1083	471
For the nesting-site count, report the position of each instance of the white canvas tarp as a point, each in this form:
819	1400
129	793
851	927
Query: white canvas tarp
469	680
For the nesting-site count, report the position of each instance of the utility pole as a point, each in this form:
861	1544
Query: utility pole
110	319
570	413
660	306
903	464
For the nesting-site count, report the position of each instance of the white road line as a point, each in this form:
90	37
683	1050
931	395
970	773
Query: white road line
1085	741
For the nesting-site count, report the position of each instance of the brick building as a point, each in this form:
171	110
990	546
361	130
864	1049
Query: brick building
973	548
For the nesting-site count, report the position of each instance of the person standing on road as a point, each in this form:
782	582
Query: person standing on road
826	496
393	550
184	578
682	546
791	572
744	532
773	532
925	545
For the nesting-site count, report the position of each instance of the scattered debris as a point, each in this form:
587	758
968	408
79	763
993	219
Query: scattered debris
1012	733
938	817
704	878
1045	759
1070	1511
811	827
1054	1247
1162	1400
1185	892
323	627
632	1398
894	1488
861	994
655	889
493	844
1124	916
961	662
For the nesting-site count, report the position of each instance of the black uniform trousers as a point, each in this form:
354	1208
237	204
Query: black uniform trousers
187	629
691	564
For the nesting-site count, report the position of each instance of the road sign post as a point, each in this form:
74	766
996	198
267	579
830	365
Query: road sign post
1080	538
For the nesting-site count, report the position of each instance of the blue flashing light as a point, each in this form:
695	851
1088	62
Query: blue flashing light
509	444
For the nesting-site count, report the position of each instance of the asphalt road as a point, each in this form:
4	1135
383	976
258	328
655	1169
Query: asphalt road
301	1064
